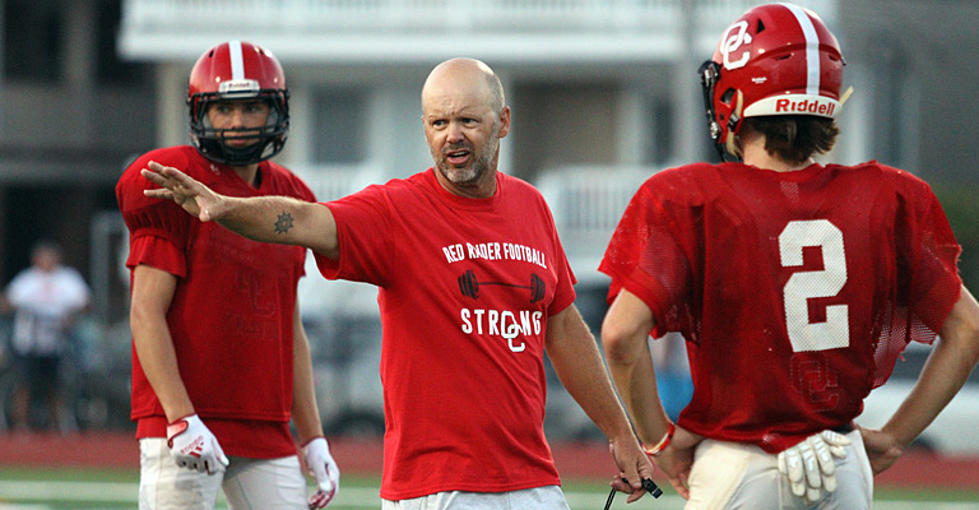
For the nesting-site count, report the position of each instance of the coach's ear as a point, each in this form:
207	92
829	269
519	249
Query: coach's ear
504	122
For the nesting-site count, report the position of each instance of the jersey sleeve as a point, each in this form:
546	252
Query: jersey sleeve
648	256
158	228
931	253
363	233
928	282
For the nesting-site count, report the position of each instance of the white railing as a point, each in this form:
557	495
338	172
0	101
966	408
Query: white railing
377	29
317	295
330	182
536	15
587	203
355	14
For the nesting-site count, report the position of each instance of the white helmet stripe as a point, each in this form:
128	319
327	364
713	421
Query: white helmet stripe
237	60
812	47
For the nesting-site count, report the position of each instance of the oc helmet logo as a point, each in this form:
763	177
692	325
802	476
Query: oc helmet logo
730	42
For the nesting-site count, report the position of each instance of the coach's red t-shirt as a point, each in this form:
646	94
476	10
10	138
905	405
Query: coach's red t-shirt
232	311
466	288
796	291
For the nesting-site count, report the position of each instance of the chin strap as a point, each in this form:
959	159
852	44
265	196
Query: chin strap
846	95
732	123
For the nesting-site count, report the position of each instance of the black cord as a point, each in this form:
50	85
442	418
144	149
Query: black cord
647	484
611	496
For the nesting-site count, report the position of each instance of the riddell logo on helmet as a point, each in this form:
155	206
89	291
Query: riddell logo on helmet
240	86
814	106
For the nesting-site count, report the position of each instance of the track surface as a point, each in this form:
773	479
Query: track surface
574	460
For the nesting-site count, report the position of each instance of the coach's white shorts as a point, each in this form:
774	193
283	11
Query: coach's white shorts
258	484
738	476
548	497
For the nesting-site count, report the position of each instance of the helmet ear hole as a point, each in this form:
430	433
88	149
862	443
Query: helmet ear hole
727	96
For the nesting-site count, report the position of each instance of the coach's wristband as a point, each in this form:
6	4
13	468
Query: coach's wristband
663	443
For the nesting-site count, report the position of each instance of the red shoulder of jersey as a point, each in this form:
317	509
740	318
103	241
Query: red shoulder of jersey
650	220
152	216
931	251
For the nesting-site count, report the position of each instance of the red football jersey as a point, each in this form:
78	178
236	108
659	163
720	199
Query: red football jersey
232	312
466	288
795	291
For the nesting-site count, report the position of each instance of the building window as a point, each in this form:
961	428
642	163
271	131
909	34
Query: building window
894	115
339	125
661	139
32	40
110	69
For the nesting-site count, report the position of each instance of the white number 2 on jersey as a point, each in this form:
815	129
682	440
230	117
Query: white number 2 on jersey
804	285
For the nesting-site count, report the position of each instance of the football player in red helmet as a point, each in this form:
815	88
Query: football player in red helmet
238	72
796	285
773	61
221	362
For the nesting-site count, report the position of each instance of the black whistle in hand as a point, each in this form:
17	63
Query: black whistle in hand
651	487
647	484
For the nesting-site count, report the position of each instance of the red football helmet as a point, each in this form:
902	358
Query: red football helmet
776	59
230	71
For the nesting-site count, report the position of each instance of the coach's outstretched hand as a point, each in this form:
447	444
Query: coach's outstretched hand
194	197
811	465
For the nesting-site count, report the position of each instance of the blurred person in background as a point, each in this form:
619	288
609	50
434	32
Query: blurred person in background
46	300
796	285
474	288
221	362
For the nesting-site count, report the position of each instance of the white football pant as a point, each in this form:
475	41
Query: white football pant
548	497
738	476
275	484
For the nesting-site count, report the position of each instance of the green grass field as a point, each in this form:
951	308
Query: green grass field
49	489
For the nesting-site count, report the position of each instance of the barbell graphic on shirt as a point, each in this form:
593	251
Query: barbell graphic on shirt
469	286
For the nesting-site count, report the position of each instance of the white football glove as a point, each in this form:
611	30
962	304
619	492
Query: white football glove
193	446
324	469
810	465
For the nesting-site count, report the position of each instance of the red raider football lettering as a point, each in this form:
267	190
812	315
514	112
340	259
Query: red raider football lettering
777	59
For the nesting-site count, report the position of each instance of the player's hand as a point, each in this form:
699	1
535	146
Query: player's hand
810	465
633	466
324	469
196	198
883	449
194	447
676	459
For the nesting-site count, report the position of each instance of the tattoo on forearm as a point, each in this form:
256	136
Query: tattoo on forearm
283	223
